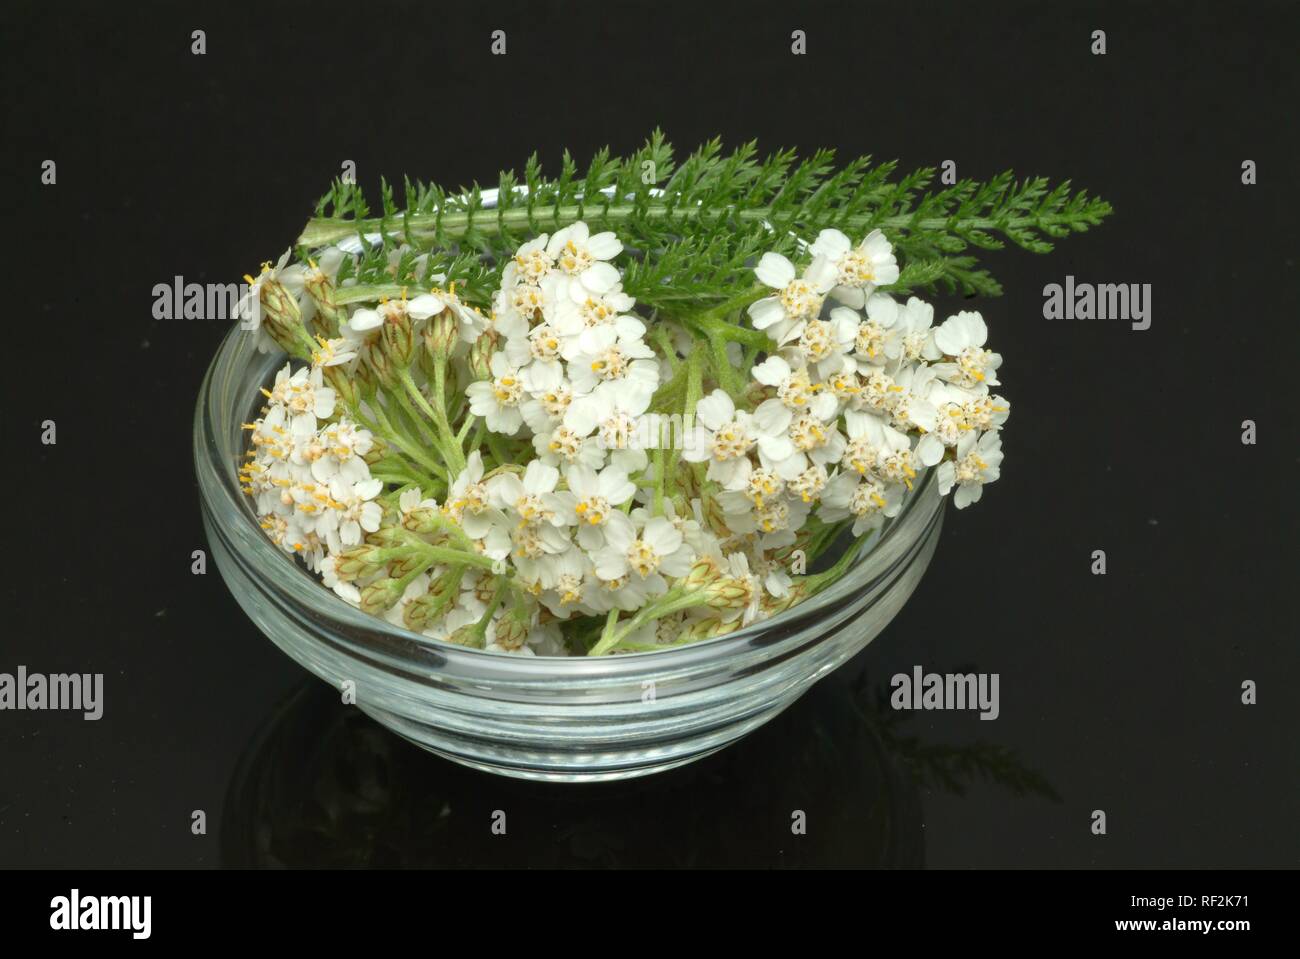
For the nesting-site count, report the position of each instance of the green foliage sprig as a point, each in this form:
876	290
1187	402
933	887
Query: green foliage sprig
694	227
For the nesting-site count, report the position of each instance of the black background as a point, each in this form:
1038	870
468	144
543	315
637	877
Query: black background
1119	692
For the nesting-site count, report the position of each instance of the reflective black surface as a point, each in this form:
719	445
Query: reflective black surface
322	784
1119	693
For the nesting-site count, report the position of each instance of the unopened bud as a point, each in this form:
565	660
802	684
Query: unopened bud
429	607
321	290
704	572
715	517
399	337
423	519
344	385
376	359
511	632
729	593
387	536
421	611
480	356
466	636
440	336
359	561
406	564
772	605
708	628
283	319
380	595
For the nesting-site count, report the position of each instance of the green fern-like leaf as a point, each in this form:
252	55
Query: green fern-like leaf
694	229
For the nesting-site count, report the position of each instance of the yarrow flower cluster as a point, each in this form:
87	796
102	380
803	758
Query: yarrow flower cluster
478	473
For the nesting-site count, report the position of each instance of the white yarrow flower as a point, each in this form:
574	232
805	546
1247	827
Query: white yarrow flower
797	298
858	269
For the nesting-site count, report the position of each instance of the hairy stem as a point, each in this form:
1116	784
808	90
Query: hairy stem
454	225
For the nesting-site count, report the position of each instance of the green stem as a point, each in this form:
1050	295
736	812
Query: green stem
499	453
605	641
661	468
449	556
665	343
498	596
673	601
405	444
447	445
694	390
470	422
395	468
418	427
819	581
453	225
728	376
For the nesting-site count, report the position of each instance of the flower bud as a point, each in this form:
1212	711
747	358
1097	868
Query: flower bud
772	605
358	562
480	356
421	611
363	377
466	636
387	536
440	336
707	628
378	363
398	337
406	564
729	593
321	290
703	573
429	607
380	595
283	319
715	517
423	519
511	632
344	385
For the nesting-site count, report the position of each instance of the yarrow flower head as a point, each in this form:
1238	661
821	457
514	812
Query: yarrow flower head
558	387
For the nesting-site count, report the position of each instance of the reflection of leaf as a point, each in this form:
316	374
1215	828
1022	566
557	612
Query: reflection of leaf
951	768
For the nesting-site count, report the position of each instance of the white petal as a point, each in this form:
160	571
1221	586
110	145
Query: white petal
772	416
773	371
821	274
929	450
600	277
950	337
604	246
831	243
765	312
661	536
774	270
715	409
424	306
364	320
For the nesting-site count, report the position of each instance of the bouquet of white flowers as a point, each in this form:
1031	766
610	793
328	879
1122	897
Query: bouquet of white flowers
626	411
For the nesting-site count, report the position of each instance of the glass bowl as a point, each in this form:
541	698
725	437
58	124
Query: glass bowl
548	718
